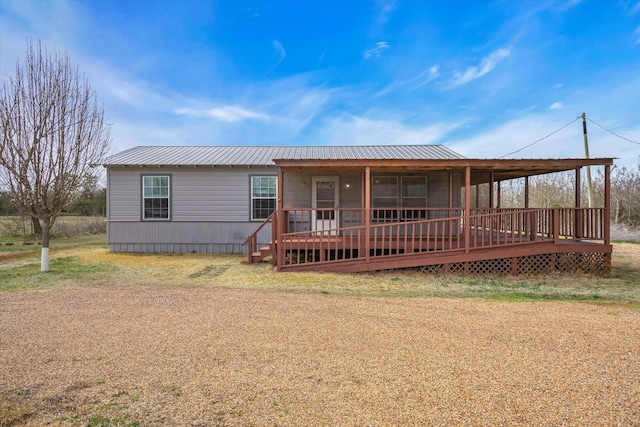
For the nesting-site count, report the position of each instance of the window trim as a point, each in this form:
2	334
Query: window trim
251	198
169	196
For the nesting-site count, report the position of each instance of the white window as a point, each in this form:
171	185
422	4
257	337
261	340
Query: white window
155	196
264	199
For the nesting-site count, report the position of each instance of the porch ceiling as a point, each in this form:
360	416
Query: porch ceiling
503	169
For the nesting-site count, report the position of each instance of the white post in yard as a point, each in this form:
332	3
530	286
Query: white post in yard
44	260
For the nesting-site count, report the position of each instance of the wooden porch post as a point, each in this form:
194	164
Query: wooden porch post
280	221
578	185
556	226
363	191
450	189
491	181
367	212
467	208
578	216
447	228
526	204
607	205
498	201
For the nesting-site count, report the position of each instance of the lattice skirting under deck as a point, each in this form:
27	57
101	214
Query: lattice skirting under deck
530	265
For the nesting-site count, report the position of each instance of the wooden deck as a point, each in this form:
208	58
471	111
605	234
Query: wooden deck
488	234
338	256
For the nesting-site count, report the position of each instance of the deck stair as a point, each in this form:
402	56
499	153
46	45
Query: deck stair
261	254
255	254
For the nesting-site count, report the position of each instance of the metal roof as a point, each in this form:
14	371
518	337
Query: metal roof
220	155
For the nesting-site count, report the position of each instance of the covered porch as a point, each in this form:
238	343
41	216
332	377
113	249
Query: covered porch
364	215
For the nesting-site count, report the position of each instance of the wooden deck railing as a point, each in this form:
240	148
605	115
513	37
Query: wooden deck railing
315	235
252	239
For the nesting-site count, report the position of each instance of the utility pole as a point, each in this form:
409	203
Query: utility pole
586	154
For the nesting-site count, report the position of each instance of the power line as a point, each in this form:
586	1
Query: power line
544	137
559	129
613	133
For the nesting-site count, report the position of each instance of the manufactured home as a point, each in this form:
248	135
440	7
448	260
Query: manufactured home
351	208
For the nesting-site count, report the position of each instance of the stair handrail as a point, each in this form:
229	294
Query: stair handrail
252	239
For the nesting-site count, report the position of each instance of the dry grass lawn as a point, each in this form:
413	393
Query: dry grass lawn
99	267
201	340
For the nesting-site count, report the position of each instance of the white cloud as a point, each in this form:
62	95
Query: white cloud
279	51
291	103
634	8
375	52
568	5
414	83
556	106
225	114
291	106
487	65
42	20
428	76
386	9
434	72
355	130
511	136
22	20
125	91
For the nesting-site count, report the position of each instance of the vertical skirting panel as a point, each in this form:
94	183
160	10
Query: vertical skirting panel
183	237
180	248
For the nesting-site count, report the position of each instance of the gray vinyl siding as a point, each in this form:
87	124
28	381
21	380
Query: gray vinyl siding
124	197
196	194
210	211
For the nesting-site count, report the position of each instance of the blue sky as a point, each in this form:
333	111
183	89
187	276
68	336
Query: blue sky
484	78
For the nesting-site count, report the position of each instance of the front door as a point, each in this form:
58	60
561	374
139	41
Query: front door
324	199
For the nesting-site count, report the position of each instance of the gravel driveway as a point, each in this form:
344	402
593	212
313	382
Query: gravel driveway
201	356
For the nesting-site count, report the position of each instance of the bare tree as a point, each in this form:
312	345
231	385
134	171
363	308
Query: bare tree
553	190
625	195
53	131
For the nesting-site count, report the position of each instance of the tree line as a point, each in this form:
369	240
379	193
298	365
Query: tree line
558	190
91	200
